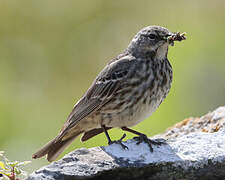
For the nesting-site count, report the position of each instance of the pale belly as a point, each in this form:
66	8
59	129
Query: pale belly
136	114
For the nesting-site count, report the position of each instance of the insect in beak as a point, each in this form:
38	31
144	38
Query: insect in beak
175	37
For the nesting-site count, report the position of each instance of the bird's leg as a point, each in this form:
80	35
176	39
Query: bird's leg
112	142
142	138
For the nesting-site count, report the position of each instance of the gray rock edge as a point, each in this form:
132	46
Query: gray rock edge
196	155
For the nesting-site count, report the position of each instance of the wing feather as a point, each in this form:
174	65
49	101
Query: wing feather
100	92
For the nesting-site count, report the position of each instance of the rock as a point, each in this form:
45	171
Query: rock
210	122
196	151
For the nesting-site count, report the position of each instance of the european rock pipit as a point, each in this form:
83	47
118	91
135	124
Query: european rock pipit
127	91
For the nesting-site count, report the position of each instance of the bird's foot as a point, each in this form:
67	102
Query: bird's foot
119	142
143	138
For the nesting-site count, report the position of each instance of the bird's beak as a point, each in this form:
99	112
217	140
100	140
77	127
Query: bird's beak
171	37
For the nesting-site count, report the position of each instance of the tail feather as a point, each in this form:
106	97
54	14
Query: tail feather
54	148
43	151
91	133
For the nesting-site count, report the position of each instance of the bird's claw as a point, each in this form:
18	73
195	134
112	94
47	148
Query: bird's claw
145	139
119	142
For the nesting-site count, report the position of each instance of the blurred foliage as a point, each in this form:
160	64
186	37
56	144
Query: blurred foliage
50	52
11	169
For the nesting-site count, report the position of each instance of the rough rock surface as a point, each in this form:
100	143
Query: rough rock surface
210	122
191	152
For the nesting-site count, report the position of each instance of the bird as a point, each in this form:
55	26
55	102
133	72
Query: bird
128	90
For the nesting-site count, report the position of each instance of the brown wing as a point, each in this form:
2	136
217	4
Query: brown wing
101	91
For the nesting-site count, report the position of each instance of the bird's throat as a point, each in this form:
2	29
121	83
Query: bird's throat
161	52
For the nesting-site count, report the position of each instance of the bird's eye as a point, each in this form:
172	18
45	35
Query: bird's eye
152	36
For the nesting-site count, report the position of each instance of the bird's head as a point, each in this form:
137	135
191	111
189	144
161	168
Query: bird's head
153	40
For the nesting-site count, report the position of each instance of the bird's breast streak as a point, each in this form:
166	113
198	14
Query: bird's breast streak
146	97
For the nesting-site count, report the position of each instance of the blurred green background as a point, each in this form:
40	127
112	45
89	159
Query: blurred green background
51	51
